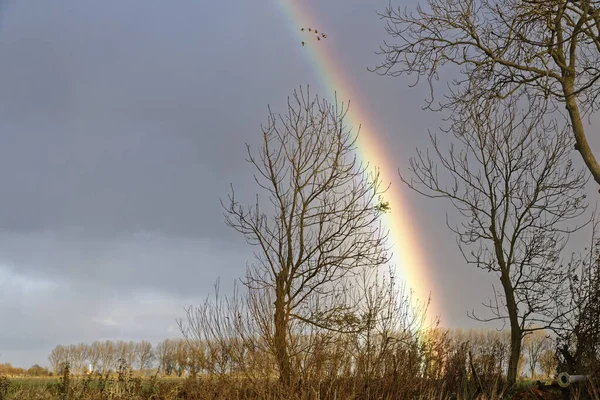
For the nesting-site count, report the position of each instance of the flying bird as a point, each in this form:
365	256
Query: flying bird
316	32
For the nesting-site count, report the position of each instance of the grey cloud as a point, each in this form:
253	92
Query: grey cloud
179	267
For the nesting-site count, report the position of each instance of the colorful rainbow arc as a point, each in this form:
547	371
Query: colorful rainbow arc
407	254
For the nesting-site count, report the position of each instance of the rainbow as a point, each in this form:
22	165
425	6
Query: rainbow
407	256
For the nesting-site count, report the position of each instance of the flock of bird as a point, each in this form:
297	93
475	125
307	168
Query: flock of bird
316	32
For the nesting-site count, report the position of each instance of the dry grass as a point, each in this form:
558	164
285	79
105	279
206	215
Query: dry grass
124	385
206	387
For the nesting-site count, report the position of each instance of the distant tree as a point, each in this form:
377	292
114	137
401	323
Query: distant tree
196	355
144	354
77	355
548	363
181	357
37	370
57	357
8	369
165	353
126	353
510	177
108	356
95	354
535	344
499	48
317	225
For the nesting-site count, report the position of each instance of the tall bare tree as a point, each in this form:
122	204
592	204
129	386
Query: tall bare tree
542	48
317	221
510	177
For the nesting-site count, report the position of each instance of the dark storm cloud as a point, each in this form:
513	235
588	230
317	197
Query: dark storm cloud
108	128
121	126
176	266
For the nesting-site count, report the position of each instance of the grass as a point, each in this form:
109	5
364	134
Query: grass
125	385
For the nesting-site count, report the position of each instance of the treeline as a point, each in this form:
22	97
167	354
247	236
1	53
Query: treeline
34	370
171	356
439	354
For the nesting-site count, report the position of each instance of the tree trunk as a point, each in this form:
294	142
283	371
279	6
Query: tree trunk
581	143
515	355
516	334
280	339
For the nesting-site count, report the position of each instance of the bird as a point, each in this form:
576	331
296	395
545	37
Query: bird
316	32
301	29
318	38
324	35
310	30
303	43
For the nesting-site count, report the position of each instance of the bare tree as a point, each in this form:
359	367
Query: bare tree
126	353
545	49
181	357
390	319
511	179
95	354
548	363
165	353
108	356
318	223
535	344
77	355
578	329
144	354
58	356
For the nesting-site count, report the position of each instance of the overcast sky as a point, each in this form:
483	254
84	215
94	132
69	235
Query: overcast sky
122	123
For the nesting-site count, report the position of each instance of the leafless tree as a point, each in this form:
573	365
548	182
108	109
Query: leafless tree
542	48
511	179
548	363
58	356
126	353
317	221
108	356
578	329
196	350
95	354
390	320
165	354
77	355
144	354
535	344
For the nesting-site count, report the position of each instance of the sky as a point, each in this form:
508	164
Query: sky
122	124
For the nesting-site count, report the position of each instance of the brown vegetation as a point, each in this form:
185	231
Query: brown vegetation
443	364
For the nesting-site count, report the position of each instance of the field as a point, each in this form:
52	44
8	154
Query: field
127	386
